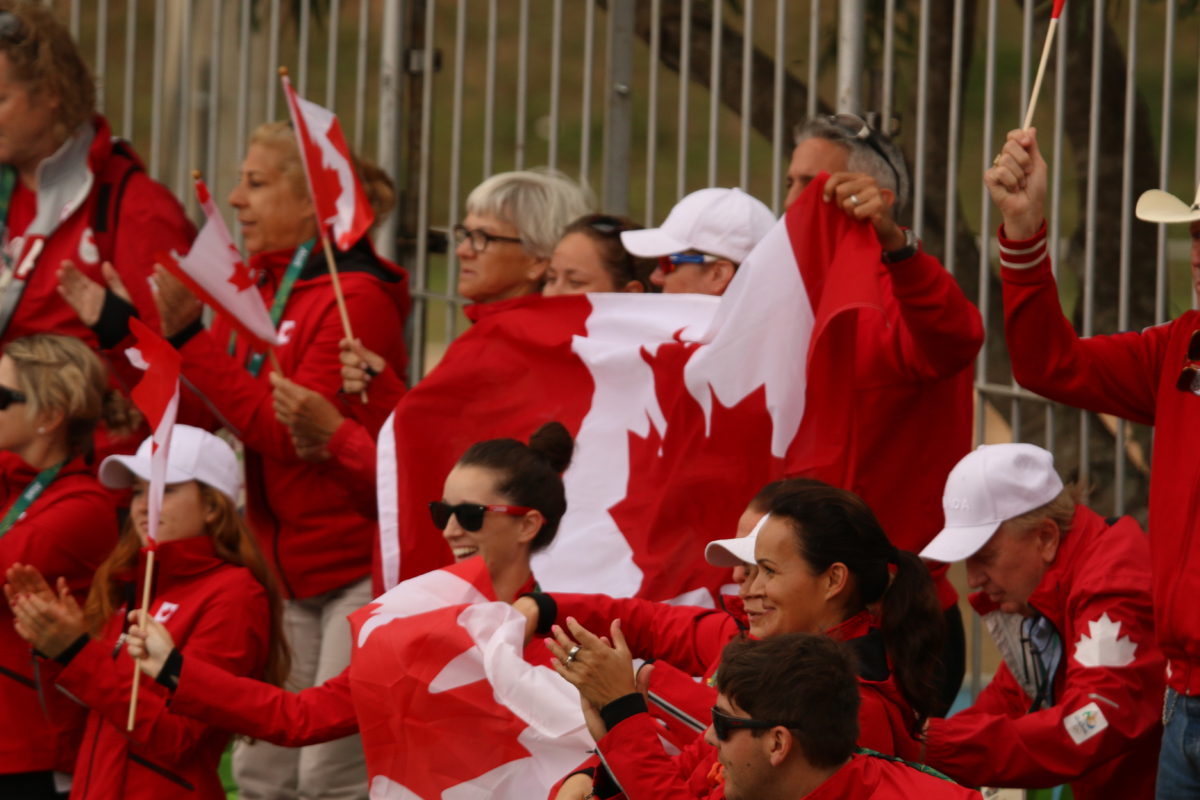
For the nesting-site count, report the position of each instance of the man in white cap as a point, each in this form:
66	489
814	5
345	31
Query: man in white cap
1151	377
702	241
1066	598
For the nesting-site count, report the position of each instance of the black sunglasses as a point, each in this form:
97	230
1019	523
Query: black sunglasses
860	129
9	396
470	515
725	724
610	226
1189	377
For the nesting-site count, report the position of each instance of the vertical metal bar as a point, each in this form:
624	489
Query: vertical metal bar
243	95
585	124
1027	48
814	53
1131	52
1162	281
918	182
452	193
183	154
954	126
618	120
331	55
156	113
423	179
391	70
555	82
74	23
985	226
777	110
889	63
489	92
360	79
685	71
652	109
714	92
1056	183
522	80
214	95
1093	190
302	48
850	56
747	87
130	59
272	59
101	51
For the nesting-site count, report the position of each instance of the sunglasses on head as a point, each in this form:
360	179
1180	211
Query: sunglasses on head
860	129
724	724
609	226
9	396
1189	377
470	515
668	264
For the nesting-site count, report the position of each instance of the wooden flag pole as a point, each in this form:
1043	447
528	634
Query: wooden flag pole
337	292
1041	73
275	362
137	670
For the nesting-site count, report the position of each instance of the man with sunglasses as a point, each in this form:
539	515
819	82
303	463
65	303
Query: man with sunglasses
915	370
784	727
1146	377
702	241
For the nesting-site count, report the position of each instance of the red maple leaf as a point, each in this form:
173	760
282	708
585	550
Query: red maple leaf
243	277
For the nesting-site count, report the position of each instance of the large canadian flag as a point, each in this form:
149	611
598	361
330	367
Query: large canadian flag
682	406
214	270
337	195
157	396
447	706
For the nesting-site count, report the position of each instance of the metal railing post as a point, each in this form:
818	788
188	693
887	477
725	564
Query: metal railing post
618	116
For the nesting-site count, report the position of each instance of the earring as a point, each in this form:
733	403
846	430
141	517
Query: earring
41	429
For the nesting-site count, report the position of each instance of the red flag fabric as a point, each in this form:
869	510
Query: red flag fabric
1058	7
215	272
157	396
332	181
682	406
446	705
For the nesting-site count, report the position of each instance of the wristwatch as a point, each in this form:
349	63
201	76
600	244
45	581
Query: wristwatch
911	245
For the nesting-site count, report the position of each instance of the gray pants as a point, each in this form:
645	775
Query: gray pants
319	636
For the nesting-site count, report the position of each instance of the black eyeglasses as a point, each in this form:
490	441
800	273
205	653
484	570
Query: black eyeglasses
480	239
9	396
725	724
860	129
470	515
1189	376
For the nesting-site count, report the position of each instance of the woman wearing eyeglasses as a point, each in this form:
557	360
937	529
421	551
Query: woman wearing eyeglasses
824	566
55	515
502	501
590	258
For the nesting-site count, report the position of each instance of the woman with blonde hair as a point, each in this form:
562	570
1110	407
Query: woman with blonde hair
213	591
54	515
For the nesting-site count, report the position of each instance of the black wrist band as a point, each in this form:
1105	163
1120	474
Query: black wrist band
168	676
113	324
179	339
547	611
65	656
622	708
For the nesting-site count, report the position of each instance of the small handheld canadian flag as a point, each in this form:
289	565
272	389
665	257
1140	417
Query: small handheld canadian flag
157	396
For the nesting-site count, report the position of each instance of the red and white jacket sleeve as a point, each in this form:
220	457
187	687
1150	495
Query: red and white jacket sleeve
1116	374
1100	710
232	633
633	754
243	705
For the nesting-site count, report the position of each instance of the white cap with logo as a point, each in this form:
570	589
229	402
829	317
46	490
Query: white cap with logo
987	487
196	455
721	222
734	552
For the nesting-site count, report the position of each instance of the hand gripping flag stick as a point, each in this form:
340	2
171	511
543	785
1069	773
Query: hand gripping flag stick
1041	73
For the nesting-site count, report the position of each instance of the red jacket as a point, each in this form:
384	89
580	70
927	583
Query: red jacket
1131	375
914	381
304	517
215	611
1102	732
67	531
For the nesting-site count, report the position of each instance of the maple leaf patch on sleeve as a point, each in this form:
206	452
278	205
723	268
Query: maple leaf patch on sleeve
1105	647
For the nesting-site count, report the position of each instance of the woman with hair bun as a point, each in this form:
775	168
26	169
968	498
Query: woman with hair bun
55	515
502	502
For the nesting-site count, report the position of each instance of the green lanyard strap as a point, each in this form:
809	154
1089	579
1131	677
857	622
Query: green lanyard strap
43	479
8	183
299	259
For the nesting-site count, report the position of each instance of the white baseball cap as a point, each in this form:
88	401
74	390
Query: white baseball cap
734	552
722	222
195	455
1155	205
987	487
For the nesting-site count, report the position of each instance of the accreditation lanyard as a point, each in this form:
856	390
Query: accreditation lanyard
8	184
299	259
31	493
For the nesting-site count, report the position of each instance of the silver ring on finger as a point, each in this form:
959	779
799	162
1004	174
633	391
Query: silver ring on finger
574	651
854	200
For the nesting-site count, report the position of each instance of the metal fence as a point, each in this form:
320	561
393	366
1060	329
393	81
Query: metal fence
648	100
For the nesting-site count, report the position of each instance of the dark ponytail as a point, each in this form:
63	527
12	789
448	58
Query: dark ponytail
836	526
530	474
